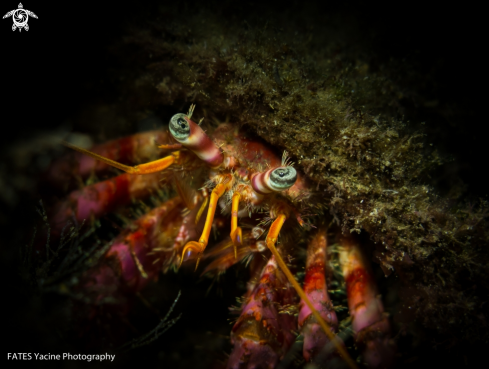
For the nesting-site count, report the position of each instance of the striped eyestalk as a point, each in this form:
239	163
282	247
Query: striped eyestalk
274	180
191	136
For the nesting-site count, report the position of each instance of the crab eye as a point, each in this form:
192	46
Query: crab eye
179	127
283	178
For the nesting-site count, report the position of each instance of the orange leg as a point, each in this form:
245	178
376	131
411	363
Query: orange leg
271	241
236	232
139	147
146	168
198	248
202	208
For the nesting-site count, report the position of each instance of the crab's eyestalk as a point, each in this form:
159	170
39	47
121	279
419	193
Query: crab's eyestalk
191	136
274	180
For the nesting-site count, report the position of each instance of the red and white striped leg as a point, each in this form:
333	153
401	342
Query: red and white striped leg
262	335
370	323
101	198
315	338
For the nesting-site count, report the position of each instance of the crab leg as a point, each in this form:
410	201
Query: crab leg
136	148
191	226
146	168
142	253
315	289
370	324
262	335
103	197
225	257
236	232
193	248
271	241
135	257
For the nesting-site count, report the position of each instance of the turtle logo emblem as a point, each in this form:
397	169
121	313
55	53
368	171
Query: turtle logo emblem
20	17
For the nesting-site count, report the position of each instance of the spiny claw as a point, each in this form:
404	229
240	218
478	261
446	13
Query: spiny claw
191	249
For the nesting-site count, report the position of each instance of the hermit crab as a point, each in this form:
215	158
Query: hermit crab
239	180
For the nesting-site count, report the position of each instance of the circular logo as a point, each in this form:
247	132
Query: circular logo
20	17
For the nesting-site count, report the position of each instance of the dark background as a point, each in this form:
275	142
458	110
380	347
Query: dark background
50	72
